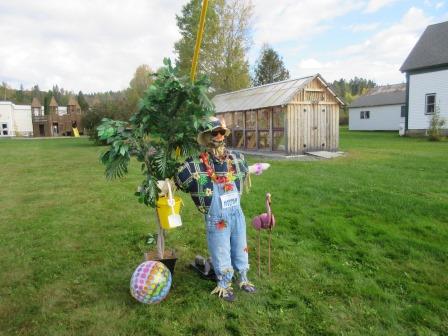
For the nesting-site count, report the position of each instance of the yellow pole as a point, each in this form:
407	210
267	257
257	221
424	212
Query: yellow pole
197	47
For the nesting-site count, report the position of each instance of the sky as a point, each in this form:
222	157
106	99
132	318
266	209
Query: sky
96	45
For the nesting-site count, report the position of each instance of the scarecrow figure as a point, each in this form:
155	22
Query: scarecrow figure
215	181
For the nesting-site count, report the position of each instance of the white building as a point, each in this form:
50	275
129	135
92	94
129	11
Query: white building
15	120
426	70
381	109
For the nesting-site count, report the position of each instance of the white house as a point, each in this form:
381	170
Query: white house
381	109
426	70
15	120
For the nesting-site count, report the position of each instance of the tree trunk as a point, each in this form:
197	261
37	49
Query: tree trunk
160	239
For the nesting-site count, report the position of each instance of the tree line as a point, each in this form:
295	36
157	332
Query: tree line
223	58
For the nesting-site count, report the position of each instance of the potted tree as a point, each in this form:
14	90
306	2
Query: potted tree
159	135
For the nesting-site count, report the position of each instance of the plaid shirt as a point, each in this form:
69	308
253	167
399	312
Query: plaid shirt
192	178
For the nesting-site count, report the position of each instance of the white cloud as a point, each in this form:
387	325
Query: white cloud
435	4
380	72
363	27
89	46
375	5
286	20
378	58
311	63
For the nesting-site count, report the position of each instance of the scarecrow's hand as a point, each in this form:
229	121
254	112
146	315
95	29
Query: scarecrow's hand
164	187
258	168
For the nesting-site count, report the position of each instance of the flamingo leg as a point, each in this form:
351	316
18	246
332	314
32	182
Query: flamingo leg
258	250
269	251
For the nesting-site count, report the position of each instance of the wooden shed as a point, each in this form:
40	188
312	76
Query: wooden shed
291	117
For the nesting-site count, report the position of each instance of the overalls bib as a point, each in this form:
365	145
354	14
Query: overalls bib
226	235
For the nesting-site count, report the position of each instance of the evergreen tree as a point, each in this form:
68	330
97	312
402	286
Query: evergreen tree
47	100
82	102
20	95
35	92
57	93
6	92
269	67
348	91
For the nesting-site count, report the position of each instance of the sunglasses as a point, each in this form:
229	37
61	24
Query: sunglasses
221	131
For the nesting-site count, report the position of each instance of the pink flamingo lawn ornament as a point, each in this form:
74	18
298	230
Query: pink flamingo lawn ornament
265	221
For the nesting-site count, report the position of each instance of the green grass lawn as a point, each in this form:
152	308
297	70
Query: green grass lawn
360	246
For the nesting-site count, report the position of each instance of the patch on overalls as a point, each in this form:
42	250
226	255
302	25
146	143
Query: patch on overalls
228	187
221	225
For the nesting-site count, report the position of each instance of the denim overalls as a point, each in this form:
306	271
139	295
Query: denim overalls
226	235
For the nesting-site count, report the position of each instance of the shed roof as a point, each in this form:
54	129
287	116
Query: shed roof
35	102
394	94
430	50
268	95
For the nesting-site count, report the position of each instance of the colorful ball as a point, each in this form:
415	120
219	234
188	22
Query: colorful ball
151	282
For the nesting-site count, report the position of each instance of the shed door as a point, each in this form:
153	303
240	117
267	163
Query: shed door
304	127
323	127
316	127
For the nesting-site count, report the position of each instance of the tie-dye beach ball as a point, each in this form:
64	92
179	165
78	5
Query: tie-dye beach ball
151	282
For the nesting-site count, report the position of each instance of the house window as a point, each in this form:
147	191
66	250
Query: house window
365	115
403	111
430	103
4	130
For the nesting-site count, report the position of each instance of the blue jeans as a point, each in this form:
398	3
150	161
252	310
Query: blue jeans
226	236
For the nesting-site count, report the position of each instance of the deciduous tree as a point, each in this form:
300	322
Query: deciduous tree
225	43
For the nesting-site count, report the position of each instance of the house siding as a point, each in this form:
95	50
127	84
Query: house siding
17	117
420	85
382	118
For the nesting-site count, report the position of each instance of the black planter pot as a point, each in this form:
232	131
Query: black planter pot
169	259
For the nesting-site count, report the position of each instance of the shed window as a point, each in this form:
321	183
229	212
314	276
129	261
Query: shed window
261	129
238	139
403	111
430	103
278	118
251	142
251	120
238	120
228	118
279	140
263	119
264	122
278	129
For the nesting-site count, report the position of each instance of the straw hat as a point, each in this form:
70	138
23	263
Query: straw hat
213	125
